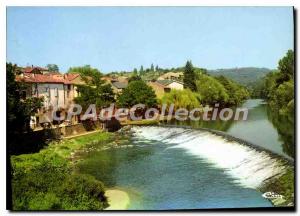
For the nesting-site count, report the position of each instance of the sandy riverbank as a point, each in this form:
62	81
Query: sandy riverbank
117	199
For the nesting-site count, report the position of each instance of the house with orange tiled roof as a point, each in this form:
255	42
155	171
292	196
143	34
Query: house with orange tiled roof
58	91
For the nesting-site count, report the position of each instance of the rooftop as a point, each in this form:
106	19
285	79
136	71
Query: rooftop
167	82
50	78
120	85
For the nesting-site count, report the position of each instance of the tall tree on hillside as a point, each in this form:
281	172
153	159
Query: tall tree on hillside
189	76
156	68
141	70
135	72
52	67
152	67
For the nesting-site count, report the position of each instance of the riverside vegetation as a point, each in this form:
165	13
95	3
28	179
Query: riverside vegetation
47	180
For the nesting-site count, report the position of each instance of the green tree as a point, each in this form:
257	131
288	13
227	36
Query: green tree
286	67
279	86
236	93
135	72
181	99
52	67
141	70
152	67
283	97
137	92
189	76
211	91
95	91
19	108
134	78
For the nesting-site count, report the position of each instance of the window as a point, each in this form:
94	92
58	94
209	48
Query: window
167	90
47	91
56	92
35	90
68	90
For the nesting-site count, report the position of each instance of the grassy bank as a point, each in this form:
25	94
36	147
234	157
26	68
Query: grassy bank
284	185
46	180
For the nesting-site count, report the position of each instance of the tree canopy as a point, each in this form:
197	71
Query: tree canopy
189	76
52	67
181	99
19	109
210	90
18	115
278	86
137	92
236	93
95	91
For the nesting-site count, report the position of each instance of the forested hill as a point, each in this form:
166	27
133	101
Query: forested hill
247	76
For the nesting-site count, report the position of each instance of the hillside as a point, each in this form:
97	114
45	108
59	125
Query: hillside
247	76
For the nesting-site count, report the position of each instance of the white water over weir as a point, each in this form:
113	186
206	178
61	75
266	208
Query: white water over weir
249	166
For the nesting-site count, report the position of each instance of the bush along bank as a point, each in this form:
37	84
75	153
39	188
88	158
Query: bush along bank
46	180
280	191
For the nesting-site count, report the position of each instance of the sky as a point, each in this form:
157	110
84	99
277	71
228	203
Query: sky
123	38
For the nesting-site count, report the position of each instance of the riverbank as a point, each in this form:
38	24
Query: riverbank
282	189
117	199
141	122
46	180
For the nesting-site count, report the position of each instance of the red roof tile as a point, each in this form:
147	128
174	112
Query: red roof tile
41	78
30	69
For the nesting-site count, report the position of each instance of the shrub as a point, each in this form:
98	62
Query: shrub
45	181
181	99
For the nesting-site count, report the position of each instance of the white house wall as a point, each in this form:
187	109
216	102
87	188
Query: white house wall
175	85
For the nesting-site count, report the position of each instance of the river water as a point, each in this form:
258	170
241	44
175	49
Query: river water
165	168
262	127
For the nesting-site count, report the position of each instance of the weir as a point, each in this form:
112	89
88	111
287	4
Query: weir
250	165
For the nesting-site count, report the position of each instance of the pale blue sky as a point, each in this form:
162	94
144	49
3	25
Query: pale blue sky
121	38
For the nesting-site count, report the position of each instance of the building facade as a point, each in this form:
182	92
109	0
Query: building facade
57	90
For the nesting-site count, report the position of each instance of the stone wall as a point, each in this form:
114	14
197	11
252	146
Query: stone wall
81	128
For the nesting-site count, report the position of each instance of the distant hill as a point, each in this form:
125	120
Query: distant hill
246	76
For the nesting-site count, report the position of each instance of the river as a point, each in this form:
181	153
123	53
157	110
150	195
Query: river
262	127
165	168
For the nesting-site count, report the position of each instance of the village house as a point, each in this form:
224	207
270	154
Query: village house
161	87
171	76
58	91
172	84
118	87
118	83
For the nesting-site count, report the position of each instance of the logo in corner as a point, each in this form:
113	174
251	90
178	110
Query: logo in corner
272	195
